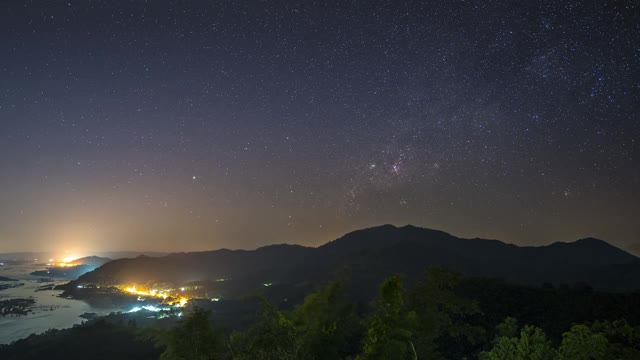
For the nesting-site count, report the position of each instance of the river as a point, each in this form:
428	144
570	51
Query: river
49	312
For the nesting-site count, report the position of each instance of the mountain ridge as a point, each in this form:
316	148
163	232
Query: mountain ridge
375	252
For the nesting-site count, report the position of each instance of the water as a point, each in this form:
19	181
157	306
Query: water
49	311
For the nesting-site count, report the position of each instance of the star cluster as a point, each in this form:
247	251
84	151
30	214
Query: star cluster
174	126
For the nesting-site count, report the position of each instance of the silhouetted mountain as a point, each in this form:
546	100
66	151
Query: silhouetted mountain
92	261
372	254
129	254
45	256
634	249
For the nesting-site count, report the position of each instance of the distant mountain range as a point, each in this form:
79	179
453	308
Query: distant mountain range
96	261
45	256
371	254
80	267
634	249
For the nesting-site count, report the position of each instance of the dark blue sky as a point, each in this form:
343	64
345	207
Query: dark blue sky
196	125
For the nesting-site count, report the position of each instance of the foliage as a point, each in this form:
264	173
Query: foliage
102	339
327	324
324	326
193	338
623	340
508	328
443	316
604	340
580	343
553	309
272	337
390	327
532	344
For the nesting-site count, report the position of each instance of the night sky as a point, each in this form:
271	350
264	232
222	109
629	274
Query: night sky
177	126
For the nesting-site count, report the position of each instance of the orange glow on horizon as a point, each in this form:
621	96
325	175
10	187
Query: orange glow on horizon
66	264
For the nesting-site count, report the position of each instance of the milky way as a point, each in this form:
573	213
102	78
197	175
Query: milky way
187	126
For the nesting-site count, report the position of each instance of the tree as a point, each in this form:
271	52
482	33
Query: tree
443	315
580	343
272	337
327	324
193	338
390	327
531	345
507	328
623	339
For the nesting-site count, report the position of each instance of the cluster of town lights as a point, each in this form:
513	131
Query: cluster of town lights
65	264
178	301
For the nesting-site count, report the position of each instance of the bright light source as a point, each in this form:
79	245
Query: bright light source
146	307
177	301
64	264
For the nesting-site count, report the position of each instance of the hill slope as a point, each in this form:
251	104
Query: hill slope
371	254
634	249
